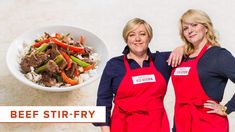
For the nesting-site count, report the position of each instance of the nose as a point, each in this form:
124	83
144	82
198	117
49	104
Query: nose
137	38
190	30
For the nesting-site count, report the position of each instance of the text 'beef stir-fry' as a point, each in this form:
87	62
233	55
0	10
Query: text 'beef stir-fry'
59	60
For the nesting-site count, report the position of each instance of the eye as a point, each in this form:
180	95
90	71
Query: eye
194	24
143	34
131	35
185	28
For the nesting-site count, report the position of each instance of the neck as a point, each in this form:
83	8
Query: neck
139	58
198	47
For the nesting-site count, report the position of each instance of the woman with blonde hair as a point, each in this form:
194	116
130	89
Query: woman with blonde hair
137	81
199	81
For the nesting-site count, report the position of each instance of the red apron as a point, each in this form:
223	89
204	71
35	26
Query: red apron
190	114
139	101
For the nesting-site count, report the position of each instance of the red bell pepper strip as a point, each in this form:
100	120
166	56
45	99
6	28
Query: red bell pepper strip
56	41
38	44
76	49
89	67
67	79
68	59
81	39
57	35
66	46
76	73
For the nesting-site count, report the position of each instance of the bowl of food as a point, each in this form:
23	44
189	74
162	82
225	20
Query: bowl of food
57	58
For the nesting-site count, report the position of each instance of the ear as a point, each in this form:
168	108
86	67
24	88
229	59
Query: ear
206	28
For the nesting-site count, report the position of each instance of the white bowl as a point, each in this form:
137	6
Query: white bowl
16	47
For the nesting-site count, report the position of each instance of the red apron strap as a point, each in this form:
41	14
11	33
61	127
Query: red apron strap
127	66
151	62
202	51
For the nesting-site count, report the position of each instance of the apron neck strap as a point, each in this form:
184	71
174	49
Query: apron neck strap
128	66
126	63
151	62
203	51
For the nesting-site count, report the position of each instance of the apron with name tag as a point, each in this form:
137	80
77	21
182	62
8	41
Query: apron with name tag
139	101
190	114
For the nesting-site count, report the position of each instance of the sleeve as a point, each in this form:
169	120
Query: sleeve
162	65
166	54
226	65
105	93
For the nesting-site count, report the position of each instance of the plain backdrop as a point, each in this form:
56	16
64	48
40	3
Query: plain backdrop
106	19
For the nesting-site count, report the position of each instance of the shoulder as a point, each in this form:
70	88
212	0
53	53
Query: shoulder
218	52
217	49
116	59
162	55
217	58
114	64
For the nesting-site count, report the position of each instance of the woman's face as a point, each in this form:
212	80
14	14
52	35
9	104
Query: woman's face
138	40
194	32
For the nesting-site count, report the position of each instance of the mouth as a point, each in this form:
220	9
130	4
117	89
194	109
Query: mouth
137	43
191	36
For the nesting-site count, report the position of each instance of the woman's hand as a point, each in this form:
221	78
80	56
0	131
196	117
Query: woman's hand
215	108
176	56
105	129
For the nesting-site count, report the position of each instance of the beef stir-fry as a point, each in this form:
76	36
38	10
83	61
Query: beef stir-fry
58	60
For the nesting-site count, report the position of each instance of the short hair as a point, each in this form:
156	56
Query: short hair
131	25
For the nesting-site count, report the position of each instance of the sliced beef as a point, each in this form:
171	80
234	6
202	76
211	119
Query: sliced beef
34	60
52	67
87	52
62	64
48	80
71	71
53	51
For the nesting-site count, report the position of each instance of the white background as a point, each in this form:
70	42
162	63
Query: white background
106	19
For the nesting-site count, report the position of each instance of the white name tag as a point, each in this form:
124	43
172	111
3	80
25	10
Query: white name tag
182	71
143	79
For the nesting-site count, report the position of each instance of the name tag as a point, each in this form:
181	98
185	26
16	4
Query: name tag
182	71
143	79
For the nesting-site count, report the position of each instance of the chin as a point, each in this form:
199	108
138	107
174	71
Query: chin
192	41
139	51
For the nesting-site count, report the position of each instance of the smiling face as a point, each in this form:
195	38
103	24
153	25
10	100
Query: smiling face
194	33
138	40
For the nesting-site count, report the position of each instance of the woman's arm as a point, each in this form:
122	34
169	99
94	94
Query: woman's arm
176	56
226	64
105	129
226	68
105	93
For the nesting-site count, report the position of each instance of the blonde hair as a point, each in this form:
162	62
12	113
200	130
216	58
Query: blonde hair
197	16
132	24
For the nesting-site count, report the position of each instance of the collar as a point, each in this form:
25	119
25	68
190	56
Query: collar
127	50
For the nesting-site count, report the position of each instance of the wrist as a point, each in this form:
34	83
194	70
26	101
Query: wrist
223	109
